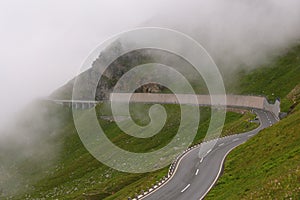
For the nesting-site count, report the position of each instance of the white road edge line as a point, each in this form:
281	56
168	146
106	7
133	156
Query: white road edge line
218	175
197	172
220	169
186	187
165	183
258	128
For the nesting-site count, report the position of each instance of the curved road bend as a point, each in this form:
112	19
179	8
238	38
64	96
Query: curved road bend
196	176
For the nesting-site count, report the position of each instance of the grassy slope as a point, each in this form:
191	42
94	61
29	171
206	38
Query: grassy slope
77	175
26	158
274	80
267	167
240	121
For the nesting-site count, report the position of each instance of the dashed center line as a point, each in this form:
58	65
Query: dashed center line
221	144
201	160
250	135
197	171
208	151
236	139
186	187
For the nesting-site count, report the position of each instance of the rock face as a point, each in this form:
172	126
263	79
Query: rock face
150	88
109	77
117	69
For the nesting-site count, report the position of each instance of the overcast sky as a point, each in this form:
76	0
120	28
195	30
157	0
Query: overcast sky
44	42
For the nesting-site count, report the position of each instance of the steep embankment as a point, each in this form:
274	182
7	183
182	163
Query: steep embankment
267	167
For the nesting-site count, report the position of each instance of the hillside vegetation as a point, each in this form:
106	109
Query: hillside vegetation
274	80
267	166
77	175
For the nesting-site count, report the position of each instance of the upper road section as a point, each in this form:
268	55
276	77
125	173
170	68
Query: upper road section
203	100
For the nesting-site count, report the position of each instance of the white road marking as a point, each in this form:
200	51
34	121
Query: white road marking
184	189
236	139
218	175
201	160
197	172
221	144
208	151
250	135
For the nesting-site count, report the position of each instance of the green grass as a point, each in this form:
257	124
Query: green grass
78	175
241	125
274	80
240	121
266	167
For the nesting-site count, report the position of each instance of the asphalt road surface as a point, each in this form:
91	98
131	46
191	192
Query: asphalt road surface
195	175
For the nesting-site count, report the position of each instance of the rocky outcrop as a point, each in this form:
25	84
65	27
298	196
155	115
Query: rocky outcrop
109	77
119	67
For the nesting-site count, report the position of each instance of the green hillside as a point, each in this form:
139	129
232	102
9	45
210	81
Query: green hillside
77	175
266	167
274	80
